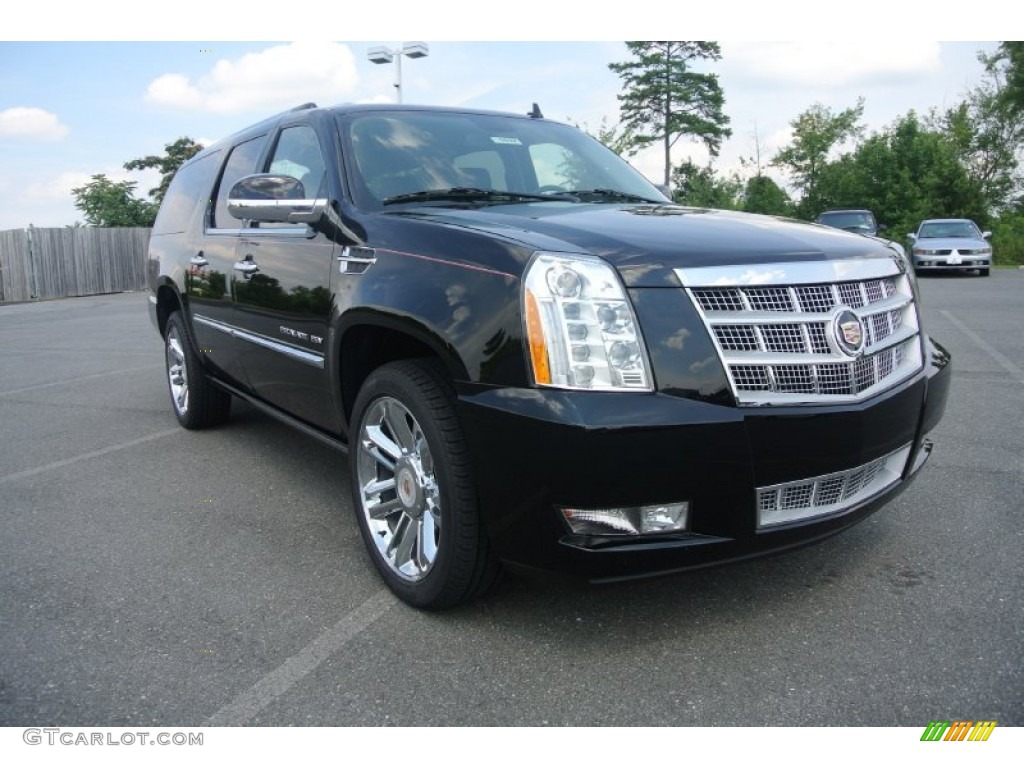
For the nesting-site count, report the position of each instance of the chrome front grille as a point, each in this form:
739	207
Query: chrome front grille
776	328
828	494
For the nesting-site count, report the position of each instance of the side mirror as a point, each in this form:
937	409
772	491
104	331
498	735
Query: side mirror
986	235
273	197
911	237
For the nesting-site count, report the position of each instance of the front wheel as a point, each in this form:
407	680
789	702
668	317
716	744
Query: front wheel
983	272
413	490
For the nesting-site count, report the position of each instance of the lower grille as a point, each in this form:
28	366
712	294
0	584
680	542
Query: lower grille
828	494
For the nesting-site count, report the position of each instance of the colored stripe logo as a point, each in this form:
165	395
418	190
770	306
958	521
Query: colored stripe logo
960	730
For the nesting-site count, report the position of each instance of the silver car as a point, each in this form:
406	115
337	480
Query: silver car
950	244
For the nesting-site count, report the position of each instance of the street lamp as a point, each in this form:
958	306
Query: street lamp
383	55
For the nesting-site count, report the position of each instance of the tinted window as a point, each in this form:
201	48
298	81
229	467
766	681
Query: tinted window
191	185
241	162
398	153
298	154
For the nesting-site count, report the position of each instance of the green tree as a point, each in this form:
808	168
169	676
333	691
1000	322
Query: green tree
702	187
107	203
177	153
904	174
663	99
1008	61
817	132
763	195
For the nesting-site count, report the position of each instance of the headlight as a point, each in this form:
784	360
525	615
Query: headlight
925	252
580	326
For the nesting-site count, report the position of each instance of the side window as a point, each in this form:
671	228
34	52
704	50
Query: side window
241	162
190	186
298	154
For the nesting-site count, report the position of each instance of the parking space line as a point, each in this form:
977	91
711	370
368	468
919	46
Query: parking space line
996	355
78	378
250	703
90	455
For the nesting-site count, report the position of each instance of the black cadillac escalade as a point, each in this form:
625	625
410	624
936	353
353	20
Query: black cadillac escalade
530	355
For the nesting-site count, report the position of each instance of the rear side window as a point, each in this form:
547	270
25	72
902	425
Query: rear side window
190	186
241	162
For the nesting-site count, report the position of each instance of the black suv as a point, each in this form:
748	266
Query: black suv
529	354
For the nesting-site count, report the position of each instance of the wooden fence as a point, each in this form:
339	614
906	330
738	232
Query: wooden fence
73	261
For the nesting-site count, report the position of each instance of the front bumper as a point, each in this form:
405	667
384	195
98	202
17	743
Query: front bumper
946	263
536	451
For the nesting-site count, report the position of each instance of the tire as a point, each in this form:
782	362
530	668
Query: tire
196	402
983	272
413	490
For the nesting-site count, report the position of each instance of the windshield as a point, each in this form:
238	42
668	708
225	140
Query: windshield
400	155
856	220
949	229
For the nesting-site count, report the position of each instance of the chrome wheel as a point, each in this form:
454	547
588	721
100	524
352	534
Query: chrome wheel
177	371
398	489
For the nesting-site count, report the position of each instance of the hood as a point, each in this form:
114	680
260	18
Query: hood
646	242
951	243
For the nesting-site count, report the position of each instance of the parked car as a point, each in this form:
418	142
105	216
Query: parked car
860	221
956	244
530	355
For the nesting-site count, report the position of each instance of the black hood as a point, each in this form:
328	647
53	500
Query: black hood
646	242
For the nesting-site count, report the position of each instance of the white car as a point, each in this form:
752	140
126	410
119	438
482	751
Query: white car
951	244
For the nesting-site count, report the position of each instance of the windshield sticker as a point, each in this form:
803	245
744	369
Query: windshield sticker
506	140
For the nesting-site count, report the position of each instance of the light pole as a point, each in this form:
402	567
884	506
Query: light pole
383	55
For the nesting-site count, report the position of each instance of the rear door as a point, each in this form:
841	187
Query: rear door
213	271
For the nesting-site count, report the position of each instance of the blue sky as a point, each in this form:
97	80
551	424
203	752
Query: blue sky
72	109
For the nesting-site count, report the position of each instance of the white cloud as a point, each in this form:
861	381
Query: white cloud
833	63
276	77
31	123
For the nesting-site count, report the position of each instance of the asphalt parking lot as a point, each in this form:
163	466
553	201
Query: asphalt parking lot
153	576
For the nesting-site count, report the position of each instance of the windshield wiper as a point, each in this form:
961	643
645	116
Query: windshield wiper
614	194
472	193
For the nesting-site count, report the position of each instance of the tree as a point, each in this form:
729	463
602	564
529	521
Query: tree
663	99
177	153
763	195
702	187
816	133
107	203
904	174
1008	61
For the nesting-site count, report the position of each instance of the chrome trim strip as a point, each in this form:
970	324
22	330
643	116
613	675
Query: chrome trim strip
788	273
302	355
883	473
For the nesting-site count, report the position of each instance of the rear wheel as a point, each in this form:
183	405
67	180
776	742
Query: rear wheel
413	490
197	403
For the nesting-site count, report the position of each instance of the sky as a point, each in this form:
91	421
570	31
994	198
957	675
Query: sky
73	108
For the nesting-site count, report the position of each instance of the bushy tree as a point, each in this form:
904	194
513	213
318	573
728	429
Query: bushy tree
763	195
703	187
107	203
177	153
817	133
663	98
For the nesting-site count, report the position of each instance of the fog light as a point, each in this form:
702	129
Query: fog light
628	521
